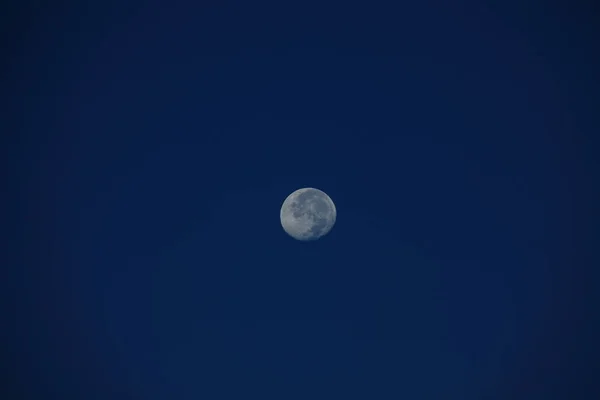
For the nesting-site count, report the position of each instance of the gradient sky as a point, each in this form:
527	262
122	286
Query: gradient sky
154	143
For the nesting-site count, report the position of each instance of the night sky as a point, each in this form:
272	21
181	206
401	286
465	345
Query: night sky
149	147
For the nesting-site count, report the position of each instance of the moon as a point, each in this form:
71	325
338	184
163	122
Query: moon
308	214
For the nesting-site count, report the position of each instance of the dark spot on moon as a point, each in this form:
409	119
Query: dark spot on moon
319	226
307	196
301	205
321	207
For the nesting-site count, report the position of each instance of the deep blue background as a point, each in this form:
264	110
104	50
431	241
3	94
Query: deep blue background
151	145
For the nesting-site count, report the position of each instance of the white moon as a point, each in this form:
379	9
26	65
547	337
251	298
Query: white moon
308	214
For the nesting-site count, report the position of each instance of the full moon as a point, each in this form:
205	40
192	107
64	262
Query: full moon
307	214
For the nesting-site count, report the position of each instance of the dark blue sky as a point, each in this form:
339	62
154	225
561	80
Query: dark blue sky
154	143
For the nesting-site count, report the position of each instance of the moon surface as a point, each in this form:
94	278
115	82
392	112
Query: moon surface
308	214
